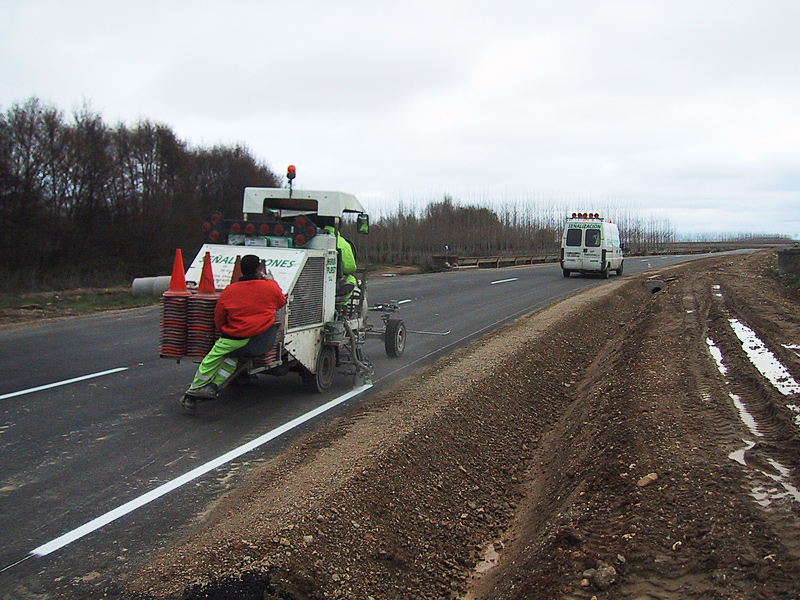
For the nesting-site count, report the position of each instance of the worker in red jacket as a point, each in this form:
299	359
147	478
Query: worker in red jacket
245	309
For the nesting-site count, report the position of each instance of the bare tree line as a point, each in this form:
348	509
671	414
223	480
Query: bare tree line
84	203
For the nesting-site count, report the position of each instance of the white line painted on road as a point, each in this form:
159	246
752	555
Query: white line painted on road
60	383
170	486
505	280
404	301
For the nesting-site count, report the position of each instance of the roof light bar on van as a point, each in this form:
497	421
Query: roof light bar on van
586	215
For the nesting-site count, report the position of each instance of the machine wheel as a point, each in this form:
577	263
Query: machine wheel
321	380
394	339
621	266
604	272
567	272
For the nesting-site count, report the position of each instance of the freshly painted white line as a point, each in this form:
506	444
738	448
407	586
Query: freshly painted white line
505	280
123	510
65	382
12	565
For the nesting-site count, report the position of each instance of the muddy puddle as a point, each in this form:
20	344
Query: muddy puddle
764	360
779	377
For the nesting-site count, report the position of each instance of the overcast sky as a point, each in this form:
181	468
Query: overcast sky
690	109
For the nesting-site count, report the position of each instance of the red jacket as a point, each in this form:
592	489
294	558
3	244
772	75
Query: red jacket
247	308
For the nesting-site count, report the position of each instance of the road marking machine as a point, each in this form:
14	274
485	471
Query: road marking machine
324	325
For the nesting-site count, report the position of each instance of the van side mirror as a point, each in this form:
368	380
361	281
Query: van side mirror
363	223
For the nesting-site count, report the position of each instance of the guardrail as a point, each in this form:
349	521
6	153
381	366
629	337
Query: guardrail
499	261
492	262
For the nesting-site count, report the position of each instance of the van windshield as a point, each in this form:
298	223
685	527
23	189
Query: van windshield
592	238
574	237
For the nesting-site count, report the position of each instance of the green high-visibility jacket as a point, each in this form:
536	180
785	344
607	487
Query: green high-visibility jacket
345	249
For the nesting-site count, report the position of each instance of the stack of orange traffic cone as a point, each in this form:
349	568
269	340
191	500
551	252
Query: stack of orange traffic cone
174	303
202	330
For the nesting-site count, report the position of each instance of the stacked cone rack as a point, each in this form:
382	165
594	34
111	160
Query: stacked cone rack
187	319
201	330
174	304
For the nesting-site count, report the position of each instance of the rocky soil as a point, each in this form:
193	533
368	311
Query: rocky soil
594	449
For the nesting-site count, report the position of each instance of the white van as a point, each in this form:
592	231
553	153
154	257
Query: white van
591	245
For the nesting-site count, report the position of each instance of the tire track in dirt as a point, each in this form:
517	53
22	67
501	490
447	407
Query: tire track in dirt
769	454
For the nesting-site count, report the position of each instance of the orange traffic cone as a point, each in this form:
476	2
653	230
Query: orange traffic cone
237	270
207	285
177	282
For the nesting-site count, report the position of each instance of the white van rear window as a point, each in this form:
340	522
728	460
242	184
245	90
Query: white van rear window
574	237
592	238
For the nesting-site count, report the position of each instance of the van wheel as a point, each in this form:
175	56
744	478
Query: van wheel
604	272
566	272
621	266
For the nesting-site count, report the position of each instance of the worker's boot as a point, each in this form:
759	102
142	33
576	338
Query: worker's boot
189	402
207	392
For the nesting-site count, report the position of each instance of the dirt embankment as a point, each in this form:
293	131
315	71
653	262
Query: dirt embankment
592	449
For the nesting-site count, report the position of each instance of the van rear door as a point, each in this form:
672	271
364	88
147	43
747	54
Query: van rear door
572	249
592	249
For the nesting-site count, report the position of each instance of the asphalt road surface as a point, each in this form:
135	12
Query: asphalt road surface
100	465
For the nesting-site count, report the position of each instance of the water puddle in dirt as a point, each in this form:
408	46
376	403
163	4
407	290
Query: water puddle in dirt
796	410
793	347
745	416
717	354
764	360
782	479
763	495
490	559
766	495
738	455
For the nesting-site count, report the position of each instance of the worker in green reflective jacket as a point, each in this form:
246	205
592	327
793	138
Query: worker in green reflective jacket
346	264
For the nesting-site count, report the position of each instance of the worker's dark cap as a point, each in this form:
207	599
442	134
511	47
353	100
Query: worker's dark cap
249	264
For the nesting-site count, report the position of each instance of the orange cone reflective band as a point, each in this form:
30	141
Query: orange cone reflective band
207	278
177	282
